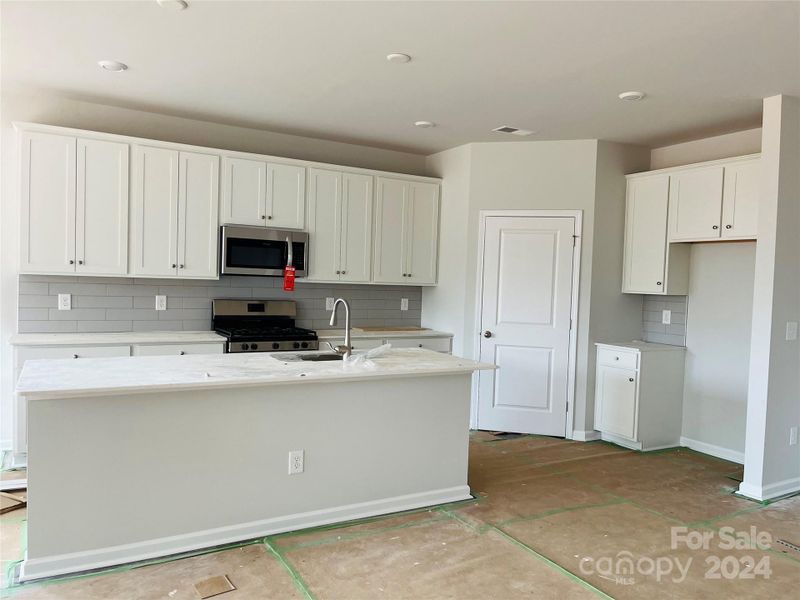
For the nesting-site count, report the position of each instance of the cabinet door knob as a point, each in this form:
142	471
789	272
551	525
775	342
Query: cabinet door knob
338	272
263	217
487	334
180	267
715	227
174	266
74	356
616	358
343	272
72	262
658	283
269	217
728	226
630	379
80	262
182	352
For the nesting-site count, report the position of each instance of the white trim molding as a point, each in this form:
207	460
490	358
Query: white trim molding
50	566
718	451
585	435
770	491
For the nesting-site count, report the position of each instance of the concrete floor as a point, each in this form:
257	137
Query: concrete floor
553	519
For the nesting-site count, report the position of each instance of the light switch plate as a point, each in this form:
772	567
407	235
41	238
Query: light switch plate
161	303
403	303
329	303
666	317
791	331
65	302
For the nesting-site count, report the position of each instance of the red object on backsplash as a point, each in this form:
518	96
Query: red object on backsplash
288	279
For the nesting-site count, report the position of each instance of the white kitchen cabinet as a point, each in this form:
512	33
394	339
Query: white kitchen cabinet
22	354
639	394
175	204
257	192
177	349
740	200
406	232
437	344
695	204
651	265
340	226
74	203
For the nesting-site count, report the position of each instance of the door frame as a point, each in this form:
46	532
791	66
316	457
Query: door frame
577	215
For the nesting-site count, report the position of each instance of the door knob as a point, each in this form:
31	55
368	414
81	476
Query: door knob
487	334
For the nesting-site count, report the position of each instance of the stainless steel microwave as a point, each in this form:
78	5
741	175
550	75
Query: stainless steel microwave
246	250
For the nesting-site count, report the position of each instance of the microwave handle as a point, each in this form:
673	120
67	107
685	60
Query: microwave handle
289	248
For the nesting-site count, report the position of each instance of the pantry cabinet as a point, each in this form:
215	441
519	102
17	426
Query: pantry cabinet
639	394
406	232
340	226
74	205
257	192
175	204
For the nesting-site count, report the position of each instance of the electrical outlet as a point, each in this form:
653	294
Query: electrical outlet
65	302
791	331
161	303
296	460
329	303
793	436
666	317
403	303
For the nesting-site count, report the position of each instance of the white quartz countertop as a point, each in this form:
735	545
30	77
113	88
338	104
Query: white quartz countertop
147	374
355	332
642	346
128	337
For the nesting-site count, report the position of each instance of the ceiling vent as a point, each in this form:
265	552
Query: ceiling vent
513	130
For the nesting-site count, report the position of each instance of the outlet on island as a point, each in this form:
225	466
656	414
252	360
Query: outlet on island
296	460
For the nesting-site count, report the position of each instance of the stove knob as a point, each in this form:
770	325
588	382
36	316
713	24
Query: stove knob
253	346
296	345
275	345
304	345
245	347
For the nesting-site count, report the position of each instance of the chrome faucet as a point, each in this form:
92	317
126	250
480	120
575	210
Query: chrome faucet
346	348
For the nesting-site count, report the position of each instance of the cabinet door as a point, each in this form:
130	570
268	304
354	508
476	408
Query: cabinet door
616	390
47	203
423	233
198	203
154	240
646	235
356	244
244	192
286	196
101	226
695	204
391	231
324	224
740	200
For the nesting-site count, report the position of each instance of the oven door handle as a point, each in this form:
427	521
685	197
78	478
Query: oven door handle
289	249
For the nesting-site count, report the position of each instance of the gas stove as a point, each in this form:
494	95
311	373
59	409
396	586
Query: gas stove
260	326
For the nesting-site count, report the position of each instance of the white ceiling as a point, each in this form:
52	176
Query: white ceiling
319	69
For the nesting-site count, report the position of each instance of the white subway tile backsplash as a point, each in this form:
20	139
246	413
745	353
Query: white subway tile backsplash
653	330
126	304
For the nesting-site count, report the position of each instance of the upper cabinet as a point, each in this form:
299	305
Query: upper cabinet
174	209
406	232
667	209
340	226
74	205
255	192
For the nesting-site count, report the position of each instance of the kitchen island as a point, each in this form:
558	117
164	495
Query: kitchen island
134	458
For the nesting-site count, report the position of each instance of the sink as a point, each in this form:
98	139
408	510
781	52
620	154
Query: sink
308	356
321	357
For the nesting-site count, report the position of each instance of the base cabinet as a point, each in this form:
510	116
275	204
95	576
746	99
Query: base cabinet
639	394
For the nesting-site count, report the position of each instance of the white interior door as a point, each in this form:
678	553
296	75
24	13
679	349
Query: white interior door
525	324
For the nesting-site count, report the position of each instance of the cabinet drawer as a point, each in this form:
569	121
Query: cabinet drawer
617	358
177	349
35	353
430	343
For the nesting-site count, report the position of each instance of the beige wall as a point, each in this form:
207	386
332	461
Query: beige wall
737	143
54	110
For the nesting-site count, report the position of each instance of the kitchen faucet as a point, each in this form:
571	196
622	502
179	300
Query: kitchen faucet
347	348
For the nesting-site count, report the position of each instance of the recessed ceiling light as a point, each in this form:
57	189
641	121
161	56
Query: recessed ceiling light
397	57
113	65
513	130
173	4
632	95
425	124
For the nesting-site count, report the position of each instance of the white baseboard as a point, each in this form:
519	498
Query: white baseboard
13	484
620	441
770	491
718	451
60	564
585	435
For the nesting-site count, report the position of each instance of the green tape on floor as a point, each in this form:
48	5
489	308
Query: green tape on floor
299	582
